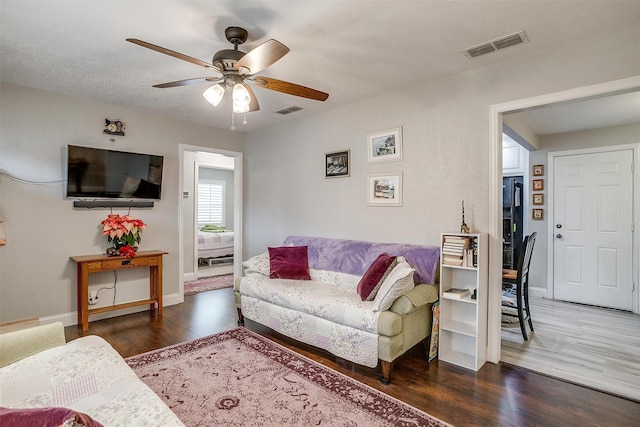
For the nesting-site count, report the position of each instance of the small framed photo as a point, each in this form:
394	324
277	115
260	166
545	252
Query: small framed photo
538	170
537	214
337	164
385	189
538	184
385	146
538	199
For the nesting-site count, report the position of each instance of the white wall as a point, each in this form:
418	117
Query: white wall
37	278
446	127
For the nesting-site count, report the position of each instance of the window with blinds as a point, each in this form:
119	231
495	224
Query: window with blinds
210	202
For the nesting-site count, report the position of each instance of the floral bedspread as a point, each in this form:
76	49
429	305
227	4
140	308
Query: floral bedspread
86	375
326	313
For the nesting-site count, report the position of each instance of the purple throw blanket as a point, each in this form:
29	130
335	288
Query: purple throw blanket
355	256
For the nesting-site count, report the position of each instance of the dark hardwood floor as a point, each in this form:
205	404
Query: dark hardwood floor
497	395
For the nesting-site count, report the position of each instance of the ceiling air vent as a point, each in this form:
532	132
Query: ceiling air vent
289	110
494	45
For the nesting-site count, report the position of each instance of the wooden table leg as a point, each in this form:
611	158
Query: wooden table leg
155	285
159	284
83	296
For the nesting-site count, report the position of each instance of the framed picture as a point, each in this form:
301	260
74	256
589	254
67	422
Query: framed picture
385	189
337	164
537	214
538	184
385	146
538	199
538	170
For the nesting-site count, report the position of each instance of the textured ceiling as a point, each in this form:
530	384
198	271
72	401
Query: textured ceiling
353	50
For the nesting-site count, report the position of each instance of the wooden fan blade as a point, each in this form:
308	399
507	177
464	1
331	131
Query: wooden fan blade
171	53
290	88
187	82
262	56
253	106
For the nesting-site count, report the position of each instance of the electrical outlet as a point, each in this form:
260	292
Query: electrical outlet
93	297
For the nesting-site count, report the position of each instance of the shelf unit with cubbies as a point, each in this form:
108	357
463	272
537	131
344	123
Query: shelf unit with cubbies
463	320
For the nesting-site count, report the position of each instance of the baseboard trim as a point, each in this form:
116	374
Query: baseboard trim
538	292
70	319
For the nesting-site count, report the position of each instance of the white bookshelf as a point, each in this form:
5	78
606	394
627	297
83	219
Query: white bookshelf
463	321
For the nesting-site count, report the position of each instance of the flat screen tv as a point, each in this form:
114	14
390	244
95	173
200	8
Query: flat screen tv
98	173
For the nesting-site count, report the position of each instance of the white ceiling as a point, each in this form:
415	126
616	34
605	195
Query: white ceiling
592	113
353	50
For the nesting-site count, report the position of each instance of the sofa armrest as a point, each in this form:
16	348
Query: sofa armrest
20	344
420	295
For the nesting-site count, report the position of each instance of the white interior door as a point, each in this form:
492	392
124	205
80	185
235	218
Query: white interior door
593	228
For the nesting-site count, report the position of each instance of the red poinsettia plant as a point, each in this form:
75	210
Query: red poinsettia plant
125	232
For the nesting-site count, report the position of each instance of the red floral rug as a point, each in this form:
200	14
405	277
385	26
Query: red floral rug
239	378
208	284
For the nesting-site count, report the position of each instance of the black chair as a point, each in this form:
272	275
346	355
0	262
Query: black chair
515	300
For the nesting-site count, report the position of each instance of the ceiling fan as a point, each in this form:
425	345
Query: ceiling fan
236	69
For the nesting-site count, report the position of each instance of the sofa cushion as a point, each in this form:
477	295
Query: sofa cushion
348	282
320	299
289	262
398	282
258	264
45	417
374	276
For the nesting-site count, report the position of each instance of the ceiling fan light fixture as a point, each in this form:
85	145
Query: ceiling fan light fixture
236	67
214	94
241	99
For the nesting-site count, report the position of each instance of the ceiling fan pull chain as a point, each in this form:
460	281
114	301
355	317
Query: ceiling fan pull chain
233	120
244	122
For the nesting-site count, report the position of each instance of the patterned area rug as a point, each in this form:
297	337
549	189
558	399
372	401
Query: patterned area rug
208	284
239	378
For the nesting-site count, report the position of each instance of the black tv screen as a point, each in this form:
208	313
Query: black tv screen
98	173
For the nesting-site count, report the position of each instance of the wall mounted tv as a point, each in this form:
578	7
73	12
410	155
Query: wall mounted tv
98	173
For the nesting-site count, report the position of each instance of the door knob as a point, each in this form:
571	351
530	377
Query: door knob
559	236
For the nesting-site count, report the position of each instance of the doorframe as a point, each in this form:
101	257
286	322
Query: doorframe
237	209
551	156
495	188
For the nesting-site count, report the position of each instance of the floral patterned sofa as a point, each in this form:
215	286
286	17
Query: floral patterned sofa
326	309
45	381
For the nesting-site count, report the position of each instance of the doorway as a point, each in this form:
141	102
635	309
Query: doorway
547	346
213	217
568	97
191	157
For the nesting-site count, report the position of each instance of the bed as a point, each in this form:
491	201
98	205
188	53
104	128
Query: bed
214	242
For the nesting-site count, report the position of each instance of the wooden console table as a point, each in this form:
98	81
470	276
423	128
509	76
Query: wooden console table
97	263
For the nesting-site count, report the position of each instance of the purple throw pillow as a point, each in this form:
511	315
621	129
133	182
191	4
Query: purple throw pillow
44	417
374	276
289	262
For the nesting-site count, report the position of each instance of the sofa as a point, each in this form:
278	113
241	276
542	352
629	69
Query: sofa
45	381
327	309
